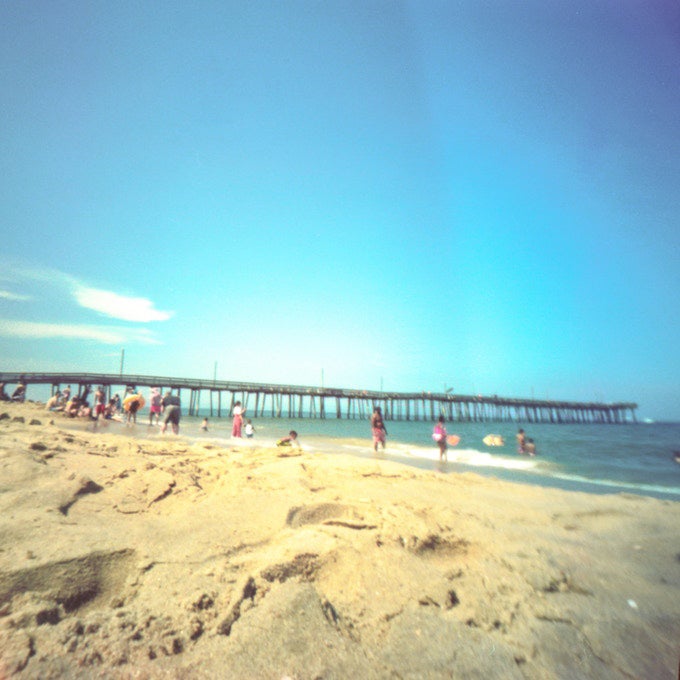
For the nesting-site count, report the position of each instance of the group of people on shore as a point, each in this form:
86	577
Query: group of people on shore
238	413
238	429
168	407
74	406
115	408
164	410
78	405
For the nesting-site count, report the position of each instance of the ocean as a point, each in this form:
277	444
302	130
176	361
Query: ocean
601	459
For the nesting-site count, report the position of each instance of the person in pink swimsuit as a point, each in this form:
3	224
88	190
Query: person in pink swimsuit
378	428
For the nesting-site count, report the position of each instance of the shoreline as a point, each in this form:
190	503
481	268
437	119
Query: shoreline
170	558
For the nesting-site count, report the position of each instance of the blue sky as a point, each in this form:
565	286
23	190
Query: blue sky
476	194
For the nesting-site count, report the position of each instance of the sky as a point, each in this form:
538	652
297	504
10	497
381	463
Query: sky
477	195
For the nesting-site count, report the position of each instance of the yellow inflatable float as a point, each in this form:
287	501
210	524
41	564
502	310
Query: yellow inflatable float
493	440
131	399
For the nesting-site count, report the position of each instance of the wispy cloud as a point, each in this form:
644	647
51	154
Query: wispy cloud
106	302
103	334
7	295
118	306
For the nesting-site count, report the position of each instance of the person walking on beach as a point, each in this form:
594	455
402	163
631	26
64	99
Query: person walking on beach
378	429
439	435
204	425
237	423
172	411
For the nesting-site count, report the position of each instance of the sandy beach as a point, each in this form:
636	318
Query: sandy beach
133	558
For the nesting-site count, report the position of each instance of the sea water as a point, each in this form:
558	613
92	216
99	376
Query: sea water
632	458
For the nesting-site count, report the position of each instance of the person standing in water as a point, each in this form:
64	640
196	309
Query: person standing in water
378	429
155	406
439	435
237	423
172	412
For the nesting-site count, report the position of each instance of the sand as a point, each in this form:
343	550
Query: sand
123	558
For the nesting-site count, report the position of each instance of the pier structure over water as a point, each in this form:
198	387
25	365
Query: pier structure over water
217	398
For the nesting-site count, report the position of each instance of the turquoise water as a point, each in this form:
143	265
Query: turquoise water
634	458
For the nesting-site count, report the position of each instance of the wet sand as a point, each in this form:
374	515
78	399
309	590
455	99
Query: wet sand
129	558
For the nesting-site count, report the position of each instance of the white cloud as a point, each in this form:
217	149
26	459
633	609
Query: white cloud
103	334
118	306
7	295
114	305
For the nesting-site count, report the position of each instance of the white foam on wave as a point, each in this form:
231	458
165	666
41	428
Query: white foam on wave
470	457
483	459
629	486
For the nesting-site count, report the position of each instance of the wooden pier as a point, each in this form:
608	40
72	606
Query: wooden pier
217	398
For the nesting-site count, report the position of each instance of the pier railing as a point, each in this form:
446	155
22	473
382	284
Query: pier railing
298	401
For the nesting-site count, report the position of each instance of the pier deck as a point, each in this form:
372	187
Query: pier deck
296	401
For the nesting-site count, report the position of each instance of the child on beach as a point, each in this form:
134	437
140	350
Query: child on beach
250	430
288	441
204	425
111	409
71	408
